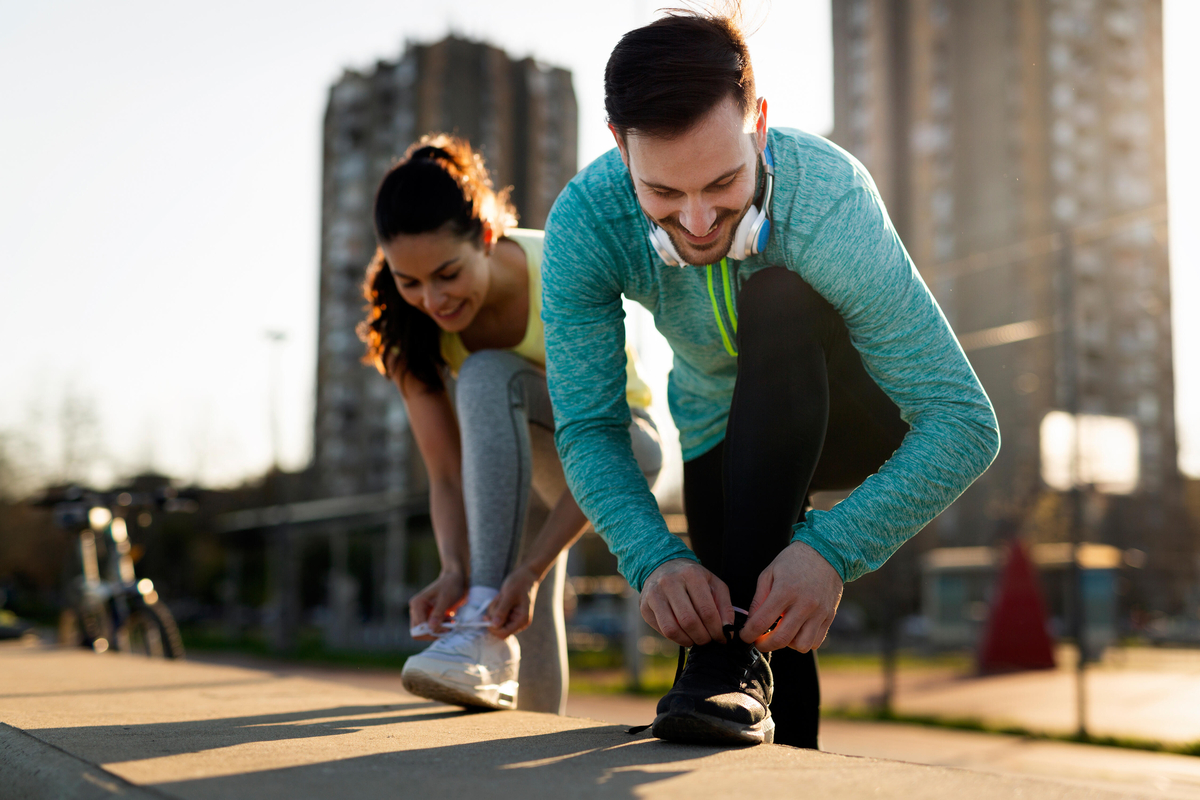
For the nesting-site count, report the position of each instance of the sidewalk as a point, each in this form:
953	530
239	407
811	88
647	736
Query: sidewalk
121	726
1144	693
1137	772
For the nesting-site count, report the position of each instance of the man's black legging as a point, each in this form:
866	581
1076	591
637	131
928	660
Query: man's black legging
805	417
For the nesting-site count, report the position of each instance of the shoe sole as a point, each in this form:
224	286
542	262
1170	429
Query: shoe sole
696	728
437	688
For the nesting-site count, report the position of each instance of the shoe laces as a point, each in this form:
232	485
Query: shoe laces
715	666
448	627
462	631
717	659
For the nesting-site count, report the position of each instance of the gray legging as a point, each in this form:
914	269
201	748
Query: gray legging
507	429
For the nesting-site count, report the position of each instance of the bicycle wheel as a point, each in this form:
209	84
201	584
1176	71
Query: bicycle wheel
87	626
151	631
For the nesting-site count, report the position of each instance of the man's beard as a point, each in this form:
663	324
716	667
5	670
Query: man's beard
710	253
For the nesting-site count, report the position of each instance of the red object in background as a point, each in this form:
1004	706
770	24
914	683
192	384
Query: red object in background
1016	636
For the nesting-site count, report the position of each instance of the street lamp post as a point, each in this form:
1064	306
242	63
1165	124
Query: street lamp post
1070	374
277	339
1082	454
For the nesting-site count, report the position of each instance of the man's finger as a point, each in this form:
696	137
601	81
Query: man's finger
686	614
822	633
665	622
648	614
806	638
784	633
701	595
770	608
721	595
762	588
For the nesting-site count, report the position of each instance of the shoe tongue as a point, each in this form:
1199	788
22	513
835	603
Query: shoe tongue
469	625
469	612
478	599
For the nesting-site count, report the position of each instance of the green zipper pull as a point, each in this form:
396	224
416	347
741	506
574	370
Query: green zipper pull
712	295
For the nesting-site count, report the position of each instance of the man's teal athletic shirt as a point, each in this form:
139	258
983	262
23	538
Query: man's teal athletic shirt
830	227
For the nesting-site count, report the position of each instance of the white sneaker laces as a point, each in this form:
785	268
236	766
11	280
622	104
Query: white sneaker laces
450	626
467	619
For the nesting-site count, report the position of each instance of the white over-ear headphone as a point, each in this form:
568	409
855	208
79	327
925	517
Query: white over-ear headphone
751	235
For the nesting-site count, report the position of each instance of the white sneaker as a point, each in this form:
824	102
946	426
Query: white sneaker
467	666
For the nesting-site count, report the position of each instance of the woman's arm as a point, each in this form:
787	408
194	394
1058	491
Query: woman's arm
435	430
512	610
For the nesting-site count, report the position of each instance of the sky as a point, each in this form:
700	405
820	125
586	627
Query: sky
159	205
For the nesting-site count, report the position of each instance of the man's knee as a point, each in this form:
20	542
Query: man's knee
777	301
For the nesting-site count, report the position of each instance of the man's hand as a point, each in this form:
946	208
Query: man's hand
686	603
512	610
436	600
801	587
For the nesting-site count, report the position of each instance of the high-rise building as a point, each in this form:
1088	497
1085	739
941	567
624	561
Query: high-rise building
1019	146
520	114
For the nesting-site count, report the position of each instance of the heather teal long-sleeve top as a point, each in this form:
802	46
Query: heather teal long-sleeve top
830	227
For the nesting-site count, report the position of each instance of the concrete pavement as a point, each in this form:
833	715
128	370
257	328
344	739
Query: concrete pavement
1147	693
122	726
1134	771
1158	774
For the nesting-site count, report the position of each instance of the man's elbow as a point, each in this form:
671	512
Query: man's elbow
994	443
978	442
989	441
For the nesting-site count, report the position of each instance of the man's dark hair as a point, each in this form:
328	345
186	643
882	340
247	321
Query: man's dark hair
662	78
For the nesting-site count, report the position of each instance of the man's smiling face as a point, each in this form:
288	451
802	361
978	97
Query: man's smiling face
698	185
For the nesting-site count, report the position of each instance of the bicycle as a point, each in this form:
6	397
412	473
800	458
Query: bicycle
108	606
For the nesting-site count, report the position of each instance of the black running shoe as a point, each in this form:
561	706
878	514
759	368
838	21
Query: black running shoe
722	696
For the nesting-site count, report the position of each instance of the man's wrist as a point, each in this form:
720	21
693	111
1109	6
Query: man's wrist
687	556
804	535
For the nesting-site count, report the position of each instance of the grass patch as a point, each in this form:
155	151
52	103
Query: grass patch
978	725
957	661
603	672
309	649
654	683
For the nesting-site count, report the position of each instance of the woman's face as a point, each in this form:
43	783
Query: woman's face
443	275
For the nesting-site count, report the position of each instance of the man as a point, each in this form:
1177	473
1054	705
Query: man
809	356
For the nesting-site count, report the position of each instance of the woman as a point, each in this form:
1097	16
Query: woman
454	320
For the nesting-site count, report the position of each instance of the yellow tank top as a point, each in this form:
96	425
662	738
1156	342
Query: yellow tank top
533	347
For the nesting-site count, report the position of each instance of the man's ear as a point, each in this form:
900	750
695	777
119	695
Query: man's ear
760	126
620	145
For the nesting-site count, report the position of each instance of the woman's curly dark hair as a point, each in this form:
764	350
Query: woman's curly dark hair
439	184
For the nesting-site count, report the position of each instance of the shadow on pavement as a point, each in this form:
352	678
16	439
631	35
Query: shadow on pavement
116	743
138	688
592	762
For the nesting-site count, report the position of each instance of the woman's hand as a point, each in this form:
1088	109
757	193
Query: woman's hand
512	610
436	600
